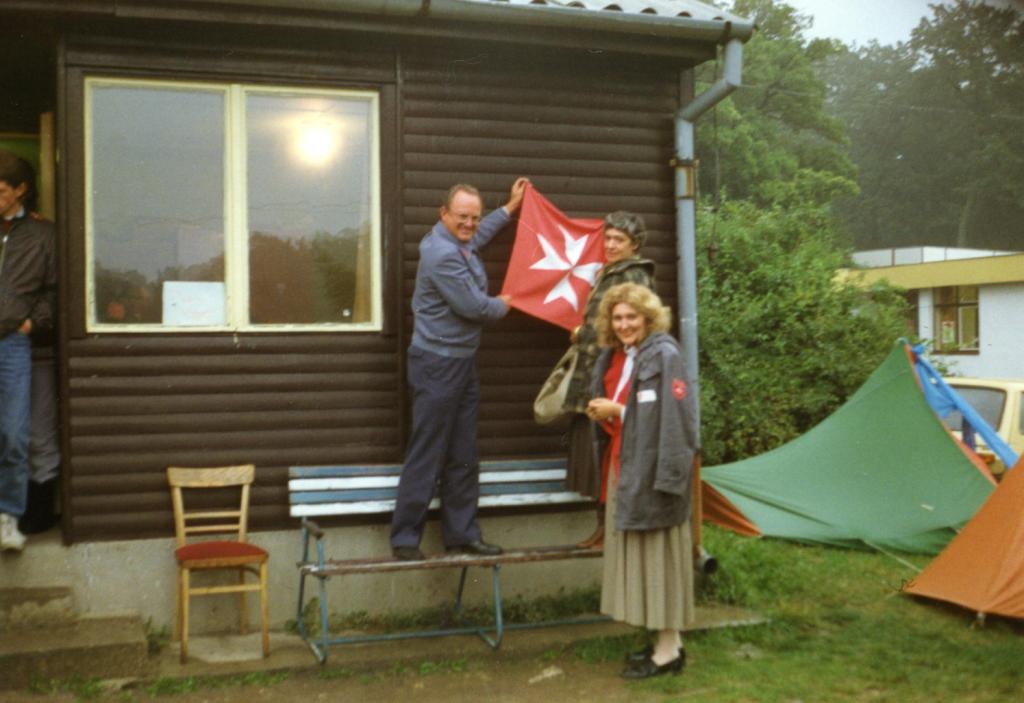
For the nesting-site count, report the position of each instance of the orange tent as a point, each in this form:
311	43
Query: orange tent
720	510
983	567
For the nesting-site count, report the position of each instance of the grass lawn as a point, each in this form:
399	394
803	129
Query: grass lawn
839	631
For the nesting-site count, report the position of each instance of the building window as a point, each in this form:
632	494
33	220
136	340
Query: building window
956	319
231	207
913	307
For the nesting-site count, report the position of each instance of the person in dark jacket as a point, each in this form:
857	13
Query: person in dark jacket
624	234
28	280
450	306
646	434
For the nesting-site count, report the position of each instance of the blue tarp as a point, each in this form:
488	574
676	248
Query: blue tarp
945	400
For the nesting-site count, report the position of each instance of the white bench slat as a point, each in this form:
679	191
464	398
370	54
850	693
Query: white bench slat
492	465
342	484
490	477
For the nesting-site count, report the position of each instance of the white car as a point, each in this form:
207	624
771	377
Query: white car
1001	403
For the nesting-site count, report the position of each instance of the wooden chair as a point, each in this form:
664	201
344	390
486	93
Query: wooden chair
206	555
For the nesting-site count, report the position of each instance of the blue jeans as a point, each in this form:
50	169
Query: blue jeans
15	425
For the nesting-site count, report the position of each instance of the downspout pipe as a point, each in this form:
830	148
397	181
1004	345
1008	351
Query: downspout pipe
686	209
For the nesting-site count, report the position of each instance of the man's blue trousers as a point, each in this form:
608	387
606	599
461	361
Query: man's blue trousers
442	452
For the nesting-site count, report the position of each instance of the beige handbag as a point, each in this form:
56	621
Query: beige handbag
549	405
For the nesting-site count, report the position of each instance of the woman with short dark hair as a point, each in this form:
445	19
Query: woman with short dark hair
624	234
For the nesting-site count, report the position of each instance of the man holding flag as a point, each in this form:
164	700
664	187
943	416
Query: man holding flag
450	305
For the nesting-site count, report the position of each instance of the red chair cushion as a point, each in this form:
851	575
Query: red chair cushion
217	549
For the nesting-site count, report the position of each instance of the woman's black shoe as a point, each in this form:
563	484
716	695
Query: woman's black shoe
646	668
640	654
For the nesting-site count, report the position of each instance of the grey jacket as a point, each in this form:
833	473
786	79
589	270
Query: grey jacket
659	437
450	302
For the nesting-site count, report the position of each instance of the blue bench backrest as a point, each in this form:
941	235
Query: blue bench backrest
353	490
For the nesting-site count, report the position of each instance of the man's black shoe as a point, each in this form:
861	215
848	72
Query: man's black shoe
481	549
39	514
407	553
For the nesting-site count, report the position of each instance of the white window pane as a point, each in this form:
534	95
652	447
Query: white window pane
310	208
156	179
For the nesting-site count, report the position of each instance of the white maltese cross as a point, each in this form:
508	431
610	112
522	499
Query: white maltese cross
555	261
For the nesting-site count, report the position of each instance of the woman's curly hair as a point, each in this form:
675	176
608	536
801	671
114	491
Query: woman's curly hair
640	298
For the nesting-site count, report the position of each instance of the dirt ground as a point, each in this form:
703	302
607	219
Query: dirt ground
567	662
536	680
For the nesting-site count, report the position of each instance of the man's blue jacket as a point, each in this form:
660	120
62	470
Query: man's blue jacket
450	302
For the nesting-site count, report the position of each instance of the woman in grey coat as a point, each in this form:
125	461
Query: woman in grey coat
645	433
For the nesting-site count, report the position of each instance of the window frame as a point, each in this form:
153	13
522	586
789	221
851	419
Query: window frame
958	307
236	234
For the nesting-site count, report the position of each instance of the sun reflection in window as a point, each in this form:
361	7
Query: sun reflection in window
317	141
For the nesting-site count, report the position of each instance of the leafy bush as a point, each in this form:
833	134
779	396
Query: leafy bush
783	342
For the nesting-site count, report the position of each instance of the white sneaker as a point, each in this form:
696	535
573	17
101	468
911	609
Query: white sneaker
10	536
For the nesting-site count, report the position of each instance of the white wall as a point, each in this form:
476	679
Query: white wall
1001	322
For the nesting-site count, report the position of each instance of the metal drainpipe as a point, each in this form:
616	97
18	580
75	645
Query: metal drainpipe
686	221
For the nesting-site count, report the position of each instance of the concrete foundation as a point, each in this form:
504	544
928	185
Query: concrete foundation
139	576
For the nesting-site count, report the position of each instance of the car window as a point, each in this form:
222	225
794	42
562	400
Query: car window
1020	414
988	402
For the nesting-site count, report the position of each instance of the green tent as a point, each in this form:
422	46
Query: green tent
881	471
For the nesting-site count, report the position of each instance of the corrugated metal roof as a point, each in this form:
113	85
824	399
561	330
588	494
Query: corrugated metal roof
692	20
689	22
664	8
686	20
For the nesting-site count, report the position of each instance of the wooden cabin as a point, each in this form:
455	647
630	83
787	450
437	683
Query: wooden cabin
240	187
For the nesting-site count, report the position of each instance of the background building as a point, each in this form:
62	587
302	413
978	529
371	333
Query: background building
968	302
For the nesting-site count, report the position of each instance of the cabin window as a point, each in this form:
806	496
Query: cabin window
231	207
956	319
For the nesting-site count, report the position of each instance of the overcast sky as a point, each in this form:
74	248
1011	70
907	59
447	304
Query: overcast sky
860	21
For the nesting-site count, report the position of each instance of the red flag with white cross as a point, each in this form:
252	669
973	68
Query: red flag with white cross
554	262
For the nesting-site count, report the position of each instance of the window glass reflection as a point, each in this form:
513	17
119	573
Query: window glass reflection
157	197
309	195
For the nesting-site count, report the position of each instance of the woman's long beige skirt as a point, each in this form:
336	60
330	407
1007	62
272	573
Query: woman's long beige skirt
648	574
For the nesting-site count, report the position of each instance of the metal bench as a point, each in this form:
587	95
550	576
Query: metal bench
320	491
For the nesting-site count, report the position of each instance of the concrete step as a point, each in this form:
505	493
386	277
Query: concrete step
28	608
90	648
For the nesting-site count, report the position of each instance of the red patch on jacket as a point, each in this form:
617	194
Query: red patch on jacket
678	388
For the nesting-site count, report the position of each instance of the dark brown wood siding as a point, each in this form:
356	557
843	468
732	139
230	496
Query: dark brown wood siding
594	133
136	403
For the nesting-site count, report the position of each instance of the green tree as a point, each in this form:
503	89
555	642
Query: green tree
783	343
937	128
773	140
